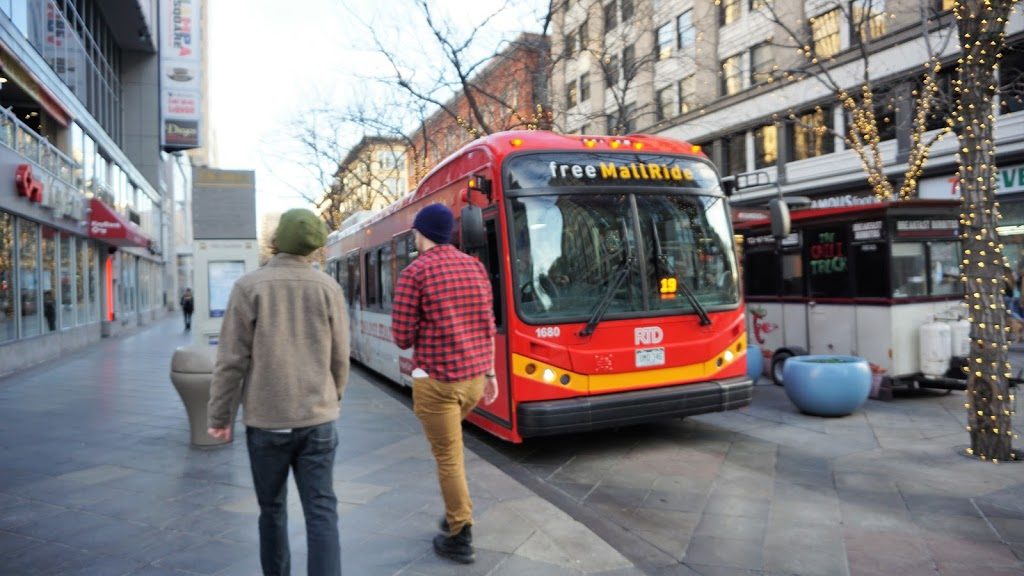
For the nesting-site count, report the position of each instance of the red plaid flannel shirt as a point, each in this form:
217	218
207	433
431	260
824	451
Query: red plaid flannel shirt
444	308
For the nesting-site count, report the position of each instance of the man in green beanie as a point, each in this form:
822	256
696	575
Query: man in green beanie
283	353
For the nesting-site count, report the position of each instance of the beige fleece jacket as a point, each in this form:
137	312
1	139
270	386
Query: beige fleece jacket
283	348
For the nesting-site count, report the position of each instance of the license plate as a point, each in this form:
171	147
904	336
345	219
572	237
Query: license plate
650	357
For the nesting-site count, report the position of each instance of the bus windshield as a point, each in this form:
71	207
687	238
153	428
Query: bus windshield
642	251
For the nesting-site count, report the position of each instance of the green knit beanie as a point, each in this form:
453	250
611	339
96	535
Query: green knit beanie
300	232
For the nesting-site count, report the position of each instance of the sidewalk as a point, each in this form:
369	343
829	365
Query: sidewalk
97	478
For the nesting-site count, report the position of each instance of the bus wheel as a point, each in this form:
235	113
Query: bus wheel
779	361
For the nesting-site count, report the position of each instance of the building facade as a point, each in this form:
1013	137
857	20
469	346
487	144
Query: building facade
372	175
512	95
83	223
729	76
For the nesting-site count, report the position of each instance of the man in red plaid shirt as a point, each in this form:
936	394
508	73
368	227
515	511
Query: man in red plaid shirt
443	308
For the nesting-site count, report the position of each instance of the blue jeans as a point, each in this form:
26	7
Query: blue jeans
309	452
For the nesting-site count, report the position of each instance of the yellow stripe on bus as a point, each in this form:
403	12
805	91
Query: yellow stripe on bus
548	374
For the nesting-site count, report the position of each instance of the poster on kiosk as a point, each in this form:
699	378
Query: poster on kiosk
218	265
225	244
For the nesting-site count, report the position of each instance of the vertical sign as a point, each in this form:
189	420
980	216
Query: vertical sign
180	69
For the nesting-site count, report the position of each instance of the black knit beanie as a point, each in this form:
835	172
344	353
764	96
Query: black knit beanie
435	222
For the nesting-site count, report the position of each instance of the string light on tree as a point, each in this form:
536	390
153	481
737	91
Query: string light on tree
989	405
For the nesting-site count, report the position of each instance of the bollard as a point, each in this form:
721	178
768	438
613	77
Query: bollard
191	374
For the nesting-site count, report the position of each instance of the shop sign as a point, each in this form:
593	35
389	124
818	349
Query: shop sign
64	200
47	191
1009	180
867	230
931	228
27	185
844	200
768	240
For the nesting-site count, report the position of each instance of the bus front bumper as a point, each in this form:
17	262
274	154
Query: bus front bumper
625	408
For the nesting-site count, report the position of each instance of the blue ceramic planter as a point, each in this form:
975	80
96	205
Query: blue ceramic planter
755	362
827	385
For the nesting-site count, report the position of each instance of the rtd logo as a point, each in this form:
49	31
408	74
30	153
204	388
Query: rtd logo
648	335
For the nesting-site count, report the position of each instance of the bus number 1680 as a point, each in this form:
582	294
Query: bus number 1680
549	332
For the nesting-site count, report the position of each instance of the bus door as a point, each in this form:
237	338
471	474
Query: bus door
490	255
831	322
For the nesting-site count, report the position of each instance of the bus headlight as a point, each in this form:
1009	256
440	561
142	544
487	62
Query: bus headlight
729	356
549	375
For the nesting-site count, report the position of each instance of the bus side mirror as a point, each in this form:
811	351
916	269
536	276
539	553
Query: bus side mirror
473	233
779	211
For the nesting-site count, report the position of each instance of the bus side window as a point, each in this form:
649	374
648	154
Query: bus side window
352	287
387	285
371	279
405	252
341	276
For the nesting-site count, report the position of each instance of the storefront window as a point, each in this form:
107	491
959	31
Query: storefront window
94	282
49	278
869	265
8	325
766	146
944	258
67	280
792	274
89	162
77	148
81	274
810	135
828	271
28	278
759	274
128	282
908	270
145	283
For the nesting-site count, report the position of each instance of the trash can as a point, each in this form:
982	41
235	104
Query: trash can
191	374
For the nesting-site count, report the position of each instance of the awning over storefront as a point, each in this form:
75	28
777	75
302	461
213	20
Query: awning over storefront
107	225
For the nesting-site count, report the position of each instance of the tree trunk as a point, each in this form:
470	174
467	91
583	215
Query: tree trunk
981	24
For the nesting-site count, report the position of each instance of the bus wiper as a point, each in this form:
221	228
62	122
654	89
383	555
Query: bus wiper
621	273
661	264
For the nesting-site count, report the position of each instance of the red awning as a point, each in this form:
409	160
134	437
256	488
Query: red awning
107	225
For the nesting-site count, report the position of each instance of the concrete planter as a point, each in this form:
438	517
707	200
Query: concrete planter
827	385
191	374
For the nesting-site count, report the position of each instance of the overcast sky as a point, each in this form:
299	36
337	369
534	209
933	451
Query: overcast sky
271	58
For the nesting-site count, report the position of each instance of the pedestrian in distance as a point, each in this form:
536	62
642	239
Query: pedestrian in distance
442	308
187	307
50	310
284	353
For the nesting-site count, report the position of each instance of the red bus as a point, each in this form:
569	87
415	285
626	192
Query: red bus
616	292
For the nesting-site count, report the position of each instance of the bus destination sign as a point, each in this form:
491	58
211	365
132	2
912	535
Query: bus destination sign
607	169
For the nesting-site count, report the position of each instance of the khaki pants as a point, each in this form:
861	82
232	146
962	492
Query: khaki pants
441	407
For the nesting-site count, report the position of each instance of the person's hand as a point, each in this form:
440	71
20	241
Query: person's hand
220	433
490	389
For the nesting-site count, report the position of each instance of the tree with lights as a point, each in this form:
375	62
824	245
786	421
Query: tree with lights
867	103
981	26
